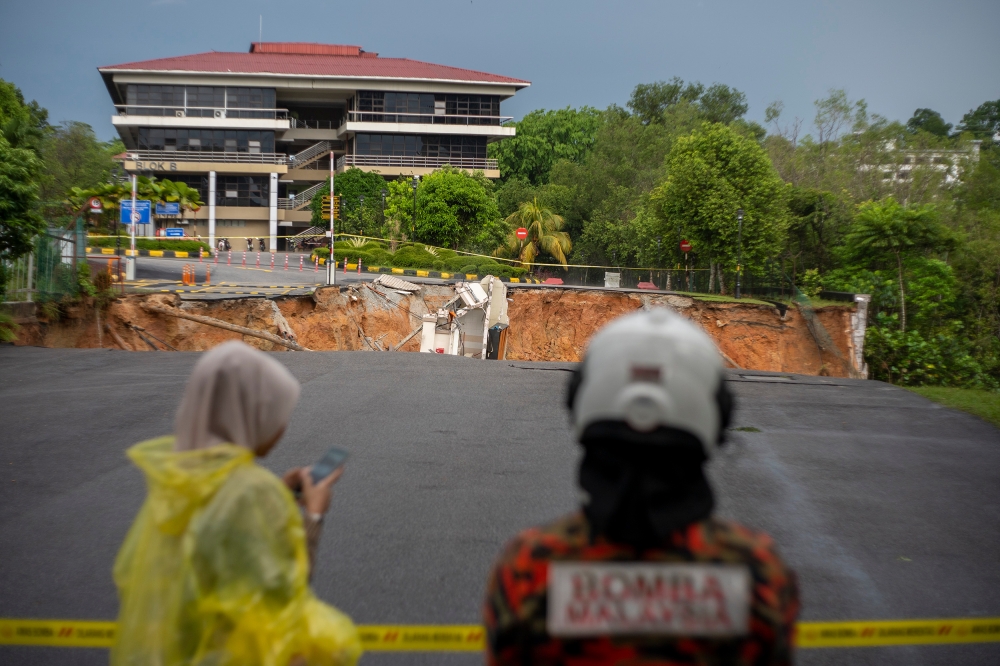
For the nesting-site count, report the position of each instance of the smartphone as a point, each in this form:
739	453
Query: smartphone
328	464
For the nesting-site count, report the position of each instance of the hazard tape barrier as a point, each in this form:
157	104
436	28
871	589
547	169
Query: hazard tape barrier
472	638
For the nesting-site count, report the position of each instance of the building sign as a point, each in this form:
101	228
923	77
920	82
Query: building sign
142	209
156	166
602	598
174	232
169	208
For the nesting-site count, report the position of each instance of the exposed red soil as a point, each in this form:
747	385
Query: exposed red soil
546	324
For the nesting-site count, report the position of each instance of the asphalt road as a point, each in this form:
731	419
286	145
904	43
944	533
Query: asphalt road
886	504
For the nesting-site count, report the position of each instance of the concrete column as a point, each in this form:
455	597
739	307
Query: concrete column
273	245
211	209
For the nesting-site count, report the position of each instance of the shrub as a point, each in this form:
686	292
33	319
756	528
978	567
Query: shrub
910	359
380	257
413	257
179	245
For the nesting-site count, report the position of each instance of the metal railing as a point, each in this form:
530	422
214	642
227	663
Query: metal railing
310	153
302	199
473	163
429	118
299	123
229	157
217	112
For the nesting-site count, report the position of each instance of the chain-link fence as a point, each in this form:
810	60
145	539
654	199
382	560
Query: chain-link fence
47	273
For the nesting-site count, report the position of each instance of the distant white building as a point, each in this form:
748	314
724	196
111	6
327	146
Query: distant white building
948	162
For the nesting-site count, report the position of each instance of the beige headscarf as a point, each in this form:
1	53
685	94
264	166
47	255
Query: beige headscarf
236	394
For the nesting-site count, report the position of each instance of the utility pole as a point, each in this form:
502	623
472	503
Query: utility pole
331	271
739	250
134	219
413	223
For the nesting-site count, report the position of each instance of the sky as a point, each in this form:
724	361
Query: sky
897	55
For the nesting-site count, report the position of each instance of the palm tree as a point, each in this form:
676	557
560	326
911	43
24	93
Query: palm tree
544	234
886	226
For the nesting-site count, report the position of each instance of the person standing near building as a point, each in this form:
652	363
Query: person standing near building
644	573
216	566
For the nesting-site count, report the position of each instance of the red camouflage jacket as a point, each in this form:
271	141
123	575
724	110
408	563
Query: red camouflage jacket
517	599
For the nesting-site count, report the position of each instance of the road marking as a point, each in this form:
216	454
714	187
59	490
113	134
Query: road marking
472	638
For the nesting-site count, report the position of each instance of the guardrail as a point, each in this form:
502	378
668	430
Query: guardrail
229	157
473	163
299	123
217	112
429	118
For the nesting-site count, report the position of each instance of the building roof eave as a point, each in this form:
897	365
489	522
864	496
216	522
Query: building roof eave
518	84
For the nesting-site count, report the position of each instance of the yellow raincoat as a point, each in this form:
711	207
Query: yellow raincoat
215	571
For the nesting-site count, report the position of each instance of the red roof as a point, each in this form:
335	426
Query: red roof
305	59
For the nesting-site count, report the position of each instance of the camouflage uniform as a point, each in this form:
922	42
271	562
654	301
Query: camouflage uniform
516	601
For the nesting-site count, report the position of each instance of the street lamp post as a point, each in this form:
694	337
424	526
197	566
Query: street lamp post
361	214
739	250
413	223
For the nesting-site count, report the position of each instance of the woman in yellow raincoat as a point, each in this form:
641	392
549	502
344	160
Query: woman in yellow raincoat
215	569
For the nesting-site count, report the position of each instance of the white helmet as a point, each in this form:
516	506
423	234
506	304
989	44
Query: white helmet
650	369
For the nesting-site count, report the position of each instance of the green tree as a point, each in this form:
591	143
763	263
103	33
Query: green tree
886	227
455	209
544	137
19	218
929	121
983	122
74	157
649	101
722	104
710	174
544	235
24	125
354	186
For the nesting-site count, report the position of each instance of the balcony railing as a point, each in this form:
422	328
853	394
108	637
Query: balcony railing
428	118
299	123
230	157
220	113
471	163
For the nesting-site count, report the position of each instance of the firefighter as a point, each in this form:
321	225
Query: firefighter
643	572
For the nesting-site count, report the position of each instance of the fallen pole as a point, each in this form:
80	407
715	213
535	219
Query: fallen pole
218	323
402	342
117	338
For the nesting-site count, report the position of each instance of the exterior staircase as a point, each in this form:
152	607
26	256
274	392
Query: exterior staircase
309	156
303	198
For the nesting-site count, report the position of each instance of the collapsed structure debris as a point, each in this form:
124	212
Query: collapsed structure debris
477	329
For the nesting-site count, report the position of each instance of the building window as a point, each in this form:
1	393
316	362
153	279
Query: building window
378	106
205	140
200	101
251	191
440	146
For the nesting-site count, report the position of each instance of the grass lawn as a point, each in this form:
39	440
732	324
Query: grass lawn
984	404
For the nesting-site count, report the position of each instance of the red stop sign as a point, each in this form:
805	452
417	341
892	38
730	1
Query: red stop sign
522	233
685	246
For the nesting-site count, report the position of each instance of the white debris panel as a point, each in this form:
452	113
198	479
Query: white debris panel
392	282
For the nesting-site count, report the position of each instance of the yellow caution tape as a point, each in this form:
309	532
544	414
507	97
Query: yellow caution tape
62	633
472	638
877	633
429	638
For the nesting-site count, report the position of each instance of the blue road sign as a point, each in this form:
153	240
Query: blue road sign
174	232
169	208
142	208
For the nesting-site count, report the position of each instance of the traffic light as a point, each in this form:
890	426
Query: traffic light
326	207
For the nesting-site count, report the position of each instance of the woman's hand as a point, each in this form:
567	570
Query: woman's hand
293	481
316	496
